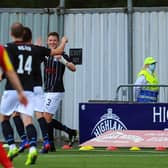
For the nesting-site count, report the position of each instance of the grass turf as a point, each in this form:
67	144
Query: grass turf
98	158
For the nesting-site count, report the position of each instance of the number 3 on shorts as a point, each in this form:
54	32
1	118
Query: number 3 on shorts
48	102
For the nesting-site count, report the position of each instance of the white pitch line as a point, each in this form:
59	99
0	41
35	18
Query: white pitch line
94	155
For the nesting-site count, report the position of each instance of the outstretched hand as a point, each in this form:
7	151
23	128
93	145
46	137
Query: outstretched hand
38	42
64	39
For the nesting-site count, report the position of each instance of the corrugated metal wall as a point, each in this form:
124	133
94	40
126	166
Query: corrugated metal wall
103	36
151	39
37	19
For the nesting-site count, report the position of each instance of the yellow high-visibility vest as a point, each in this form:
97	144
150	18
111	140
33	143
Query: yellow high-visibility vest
150	78
148	94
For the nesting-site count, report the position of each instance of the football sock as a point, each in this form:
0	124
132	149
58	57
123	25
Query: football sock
50	132
19	127
44	128
58	125
7	132
31	134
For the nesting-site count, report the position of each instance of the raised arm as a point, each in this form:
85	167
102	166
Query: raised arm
60	49
68	64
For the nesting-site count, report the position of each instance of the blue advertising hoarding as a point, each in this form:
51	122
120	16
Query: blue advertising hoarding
97	118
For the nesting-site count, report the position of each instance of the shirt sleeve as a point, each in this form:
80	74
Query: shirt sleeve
46	51
5	61
43	52
67	57
140	81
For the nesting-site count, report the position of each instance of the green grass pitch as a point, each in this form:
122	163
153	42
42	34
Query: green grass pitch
98	158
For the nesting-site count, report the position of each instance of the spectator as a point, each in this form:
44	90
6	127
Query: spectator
147	76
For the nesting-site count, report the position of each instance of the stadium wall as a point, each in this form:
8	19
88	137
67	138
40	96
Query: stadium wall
102	33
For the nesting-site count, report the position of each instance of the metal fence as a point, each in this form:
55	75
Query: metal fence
125	92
